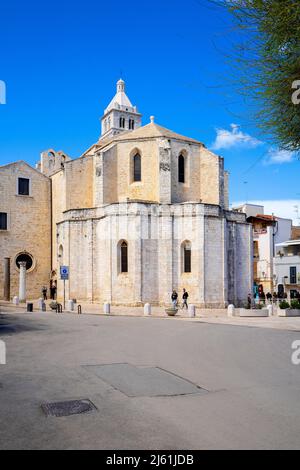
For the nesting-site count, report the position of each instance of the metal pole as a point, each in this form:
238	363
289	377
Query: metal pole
7	279
64	294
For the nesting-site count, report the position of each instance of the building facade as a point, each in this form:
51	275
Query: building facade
268	230
287	268
25	226
142	212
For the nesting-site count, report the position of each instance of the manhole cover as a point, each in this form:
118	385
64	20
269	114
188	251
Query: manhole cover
68	408
136	381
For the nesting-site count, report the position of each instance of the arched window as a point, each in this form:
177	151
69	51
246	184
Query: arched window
181	169
137	168
24	257
124	257
131	124
122	122
187	257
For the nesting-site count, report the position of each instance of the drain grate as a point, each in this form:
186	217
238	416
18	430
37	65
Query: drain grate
68	408
137	381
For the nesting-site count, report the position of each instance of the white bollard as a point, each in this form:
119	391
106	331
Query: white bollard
106	308
147	309
40	304
70	306
192	311
16	300
270	309
231	310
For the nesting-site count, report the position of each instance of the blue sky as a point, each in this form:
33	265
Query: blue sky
60	61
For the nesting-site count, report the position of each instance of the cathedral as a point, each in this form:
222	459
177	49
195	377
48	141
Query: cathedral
142	212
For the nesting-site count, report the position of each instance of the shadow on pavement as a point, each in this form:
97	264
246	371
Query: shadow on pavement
10	324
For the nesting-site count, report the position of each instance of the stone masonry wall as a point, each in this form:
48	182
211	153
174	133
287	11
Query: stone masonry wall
155	235
29	227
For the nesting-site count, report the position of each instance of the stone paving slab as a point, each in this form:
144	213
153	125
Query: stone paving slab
140	381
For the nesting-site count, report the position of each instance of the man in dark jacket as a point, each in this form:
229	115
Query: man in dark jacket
184	299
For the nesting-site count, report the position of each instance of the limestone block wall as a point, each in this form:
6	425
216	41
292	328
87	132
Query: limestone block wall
155	233
29	227
244	266
211	167
79	183
214	262
72	188
226	190
204	173
52	161
109	176
190	189
59	205
147	189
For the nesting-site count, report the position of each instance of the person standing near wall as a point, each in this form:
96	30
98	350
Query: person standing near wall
184	299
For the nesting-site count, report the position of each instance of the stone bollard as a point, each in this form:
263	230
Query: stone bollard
40	304
231	311
147	309
270	310
16	300
192	311
29	307
106	308
70	307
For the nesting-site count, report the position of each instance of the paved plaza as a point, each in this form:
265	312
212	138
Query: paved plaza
153	382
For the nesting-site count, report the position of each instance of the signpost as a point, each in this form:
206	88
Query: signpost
64	275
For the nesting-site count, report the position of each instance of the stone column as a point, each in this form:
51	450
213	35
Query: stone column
165	181
98	179
22	282
7	279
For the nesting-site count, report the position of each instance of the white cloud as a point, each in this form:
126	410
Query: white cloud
284	208
276	156
234	138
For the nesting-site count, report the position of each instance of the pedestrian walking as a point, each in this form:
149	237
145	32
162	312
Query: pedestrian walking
184	299
44	292
174	298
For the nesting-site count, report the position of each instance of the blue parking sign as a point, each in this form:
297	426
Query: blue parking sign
64	273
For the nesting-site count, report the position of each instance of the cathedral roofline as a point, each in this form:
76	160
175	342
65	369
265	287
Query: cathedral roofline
150	131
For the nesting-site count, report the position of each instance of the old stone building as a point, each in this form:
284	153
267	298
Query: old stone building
25	225
142	212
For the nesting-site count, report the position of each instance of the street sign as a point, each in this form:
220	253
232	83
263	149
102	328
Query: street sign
64	273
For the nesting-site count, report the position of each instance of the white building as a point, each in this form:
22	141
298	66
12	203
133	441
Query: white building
268	230
287	267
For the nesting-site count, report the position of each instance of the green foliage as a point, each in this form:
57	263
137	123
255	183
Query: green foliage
295	304
284	305
268	57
